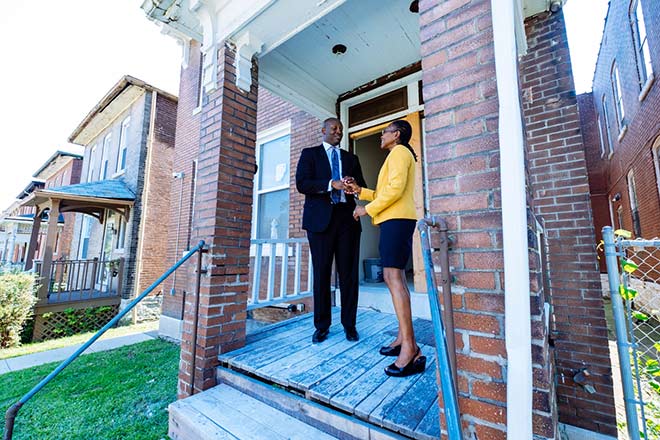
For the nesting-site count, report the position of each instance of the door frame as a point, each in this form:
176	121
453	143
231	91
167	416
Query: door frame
414	115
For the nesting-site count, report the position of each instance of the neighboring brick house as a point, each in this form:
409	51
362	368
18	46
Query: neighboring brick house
62	168
621	120
504	165
129	136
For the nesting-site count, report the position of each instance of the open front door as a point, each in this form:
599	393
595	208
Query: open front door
419	277
366	144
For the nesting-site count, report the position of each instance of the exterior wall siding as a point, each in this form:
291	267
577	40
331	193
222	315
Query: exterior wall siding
559	184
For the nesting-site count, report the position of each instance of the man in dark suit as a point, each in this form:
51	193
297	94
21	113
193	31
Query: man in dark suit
331	230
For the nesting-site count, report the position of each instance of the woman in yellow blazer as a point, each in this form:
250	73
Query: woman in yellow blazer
392	207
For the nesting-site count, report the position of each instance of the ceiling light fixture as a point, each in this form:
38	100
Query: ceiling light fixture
339	49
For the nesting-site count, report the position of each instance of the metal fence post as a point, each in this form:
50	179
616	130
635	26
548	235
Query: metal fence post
622	343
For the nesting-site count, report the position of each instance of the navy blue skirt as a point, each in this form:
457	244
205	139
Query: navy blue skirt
396	242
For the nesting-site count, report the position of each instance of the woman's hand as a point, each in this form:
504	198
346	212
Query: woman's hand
350	186
358	212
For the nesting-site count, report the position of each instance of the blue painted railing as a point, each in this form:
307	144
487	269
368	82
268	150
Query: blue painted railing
444	345
12	412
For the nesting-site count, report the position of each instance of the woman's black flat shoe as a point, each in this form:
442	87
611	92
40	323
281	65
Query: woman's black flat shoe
390	351
415	366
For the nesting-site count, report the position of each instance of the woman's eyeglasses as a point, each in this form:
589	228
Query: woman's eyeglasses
388	130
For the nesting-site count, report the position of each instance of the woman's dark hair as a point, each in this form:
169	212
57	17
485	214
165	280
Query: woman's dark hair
405	133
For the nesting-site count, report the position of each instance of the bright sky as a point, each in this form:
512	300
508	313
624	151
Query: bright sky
61	57
585	20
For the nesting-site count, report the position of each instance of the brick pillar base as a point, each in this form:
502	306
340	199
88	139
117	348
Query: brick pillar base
223	215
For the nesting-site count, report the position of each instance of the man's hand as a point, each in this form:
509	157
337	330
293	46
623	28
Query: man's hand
338	185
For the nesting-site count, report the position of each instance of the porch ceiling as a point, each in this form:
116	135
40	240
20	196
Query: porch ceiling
381	36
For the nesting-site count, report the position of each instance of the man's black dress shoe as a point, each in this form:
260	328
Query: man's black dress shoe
390	351
352	335
415	366
320	336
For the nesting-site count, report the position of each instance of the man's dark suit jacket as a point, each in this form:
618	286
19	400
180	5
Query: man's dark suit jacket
312	177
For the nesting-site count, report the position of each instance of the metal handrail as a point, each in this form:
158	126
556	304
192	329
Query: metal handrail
12	412
444	334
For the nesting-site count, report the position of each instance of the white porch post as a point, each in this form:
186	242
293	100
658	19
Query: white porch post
514	218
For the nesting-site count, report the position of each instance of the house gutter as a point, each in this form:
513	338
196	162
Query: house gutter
517	326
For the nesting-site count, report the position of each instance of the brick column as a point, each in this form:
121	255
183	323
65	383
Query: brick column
223	215
462	153
561	197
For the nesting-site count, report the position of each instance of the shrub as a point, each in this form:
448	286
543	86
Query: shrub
17	297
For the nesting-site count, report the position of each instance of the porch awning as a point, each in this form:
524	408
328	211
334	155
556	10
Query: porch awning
91	198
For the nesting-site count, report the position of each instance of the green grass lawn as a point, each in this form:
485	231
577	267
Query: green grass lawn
67	341
116	394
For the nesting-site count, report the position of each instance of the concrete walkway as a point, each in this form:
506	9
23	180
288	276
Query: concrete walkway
60	354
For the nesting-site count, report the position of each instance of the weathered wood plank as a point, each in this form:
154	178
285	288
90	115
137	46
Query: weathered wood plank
310	357
254	419
354	393
307	379
320	416
375	406
408	411
187	423
344	377
430	424
282	333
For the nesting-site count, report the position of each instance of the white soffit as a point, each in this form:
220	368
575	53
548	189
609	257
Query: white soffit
381	36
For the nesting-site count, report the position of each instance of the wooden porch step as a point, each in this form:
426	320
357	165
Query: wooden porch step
224	412
330	422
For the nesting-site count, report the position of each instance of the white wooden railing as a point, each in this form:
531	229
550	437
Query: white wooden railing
281	256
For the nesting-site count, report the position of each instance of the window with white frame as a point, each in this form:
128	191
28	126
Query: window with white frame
608	128
618	97
121	233
656	162
90	164
601	137
642	52
271	204
86	233
634	207
104	156
123	144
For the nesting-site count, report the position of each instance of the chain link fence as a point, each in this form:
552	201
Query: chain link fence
634	276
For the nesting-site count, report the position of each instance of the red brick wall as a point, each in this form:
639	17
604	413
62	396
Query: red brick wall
462	153
222	217
633	150
181	190
557	168
596	168
154	231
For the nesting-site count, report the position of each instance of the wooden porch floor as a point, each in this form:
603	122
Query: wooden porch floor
77	295
347	375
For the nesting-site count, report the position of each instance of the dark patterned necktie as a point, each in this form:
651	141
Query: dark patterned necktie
336	194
